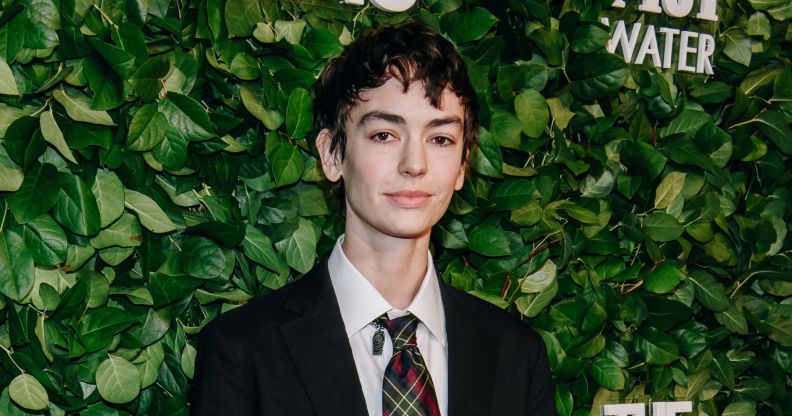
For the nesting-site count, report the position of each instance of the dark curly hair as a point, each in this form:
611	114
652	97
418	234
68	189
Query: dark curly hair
409	51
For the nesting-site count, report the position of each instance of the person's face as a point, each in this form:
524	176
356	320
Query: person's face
402	163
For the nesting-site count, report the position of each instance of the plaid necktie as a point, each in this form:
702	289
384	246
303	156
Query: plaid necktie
407	388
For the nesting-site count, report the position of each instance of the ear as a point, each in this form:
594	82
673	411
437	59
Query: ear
331	163
461	177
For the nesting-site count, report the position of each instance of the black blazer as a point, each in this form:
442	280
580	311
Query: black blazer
287	353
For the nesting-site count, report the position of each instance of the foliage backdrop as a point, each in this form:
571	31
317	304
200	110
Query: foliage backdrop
157	168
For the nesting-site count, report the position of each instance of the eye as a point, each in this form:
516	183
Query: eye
382	137
442	140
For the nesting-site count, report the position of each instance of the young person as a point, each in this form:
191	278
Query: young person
372	329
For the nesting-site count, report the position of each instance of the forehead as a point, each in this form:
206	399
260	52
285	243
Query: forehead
412	105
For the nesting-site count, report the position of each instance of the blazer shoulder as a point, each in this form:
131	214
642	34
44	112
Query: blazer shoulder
270	310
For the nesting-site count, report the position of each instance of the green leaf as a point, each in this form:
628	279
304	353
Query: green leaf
589	38
116	59
662	227
151	215
46	241
656	347
78	108
642	159
709	291
506	129
148	79
8	84
16	266
765	4
486	157
531	108
52	134
37	195
533	304
76	208
253	102
298	113
737	46
147	129
187	117
149	363
299	248
669	189
99	326
109	193
202	258
289	30
687	122
117	380
245	67
285	160
259	248
242	16
775	126
27	392
597	75
540	279
607	374
320	42
125	232
467	25
42	21
489	241
11	176
740	409
663	279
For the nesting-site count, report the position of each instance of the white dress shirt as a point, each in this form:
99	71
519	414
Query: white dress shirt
360	304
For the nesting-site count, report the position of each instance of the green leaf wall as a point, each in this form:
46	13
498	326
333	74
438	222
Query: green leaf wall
157	168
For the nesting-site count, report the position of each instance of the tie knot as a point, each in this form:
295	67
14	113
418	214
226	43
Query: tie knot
401	330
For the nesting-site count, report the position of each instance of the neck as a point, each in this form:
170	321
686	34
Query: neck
394	266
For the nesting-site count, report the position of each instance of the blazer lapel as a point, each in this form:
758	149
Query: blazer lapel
319	346
471	359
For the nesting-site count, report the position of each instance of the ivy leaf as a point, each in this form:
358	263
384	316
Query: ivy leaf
151	215
289	30
242	16
117	380
27	392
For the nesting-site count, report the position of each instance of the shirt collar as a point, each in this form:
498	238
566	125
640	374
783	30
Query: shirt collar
360	303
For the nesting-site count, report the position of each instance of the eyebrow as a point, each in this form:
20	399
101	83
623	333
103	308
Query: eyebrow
397	119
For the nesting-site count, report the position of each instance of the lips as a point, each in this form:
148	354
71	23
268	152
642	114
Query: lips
409	198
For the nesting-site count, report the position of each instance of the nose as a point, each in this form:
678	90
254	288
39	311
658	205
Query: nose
413	158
